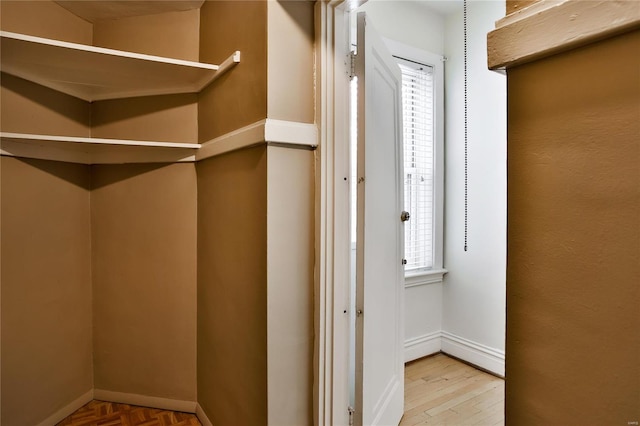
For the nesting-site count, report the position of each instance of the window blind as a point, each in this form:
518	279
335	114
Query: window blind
418	140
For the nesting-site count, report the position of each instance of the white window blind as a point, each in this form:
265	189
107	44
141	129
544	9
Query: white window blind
418	139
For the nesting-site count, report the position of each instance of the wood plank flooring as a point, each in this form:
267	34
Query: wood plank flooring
440	390
100	413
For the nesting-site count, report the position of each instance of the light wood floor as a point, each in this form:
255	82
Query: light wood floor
440	390
100	413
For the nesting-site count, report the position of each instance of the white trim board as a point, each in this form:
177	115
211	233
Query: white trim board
283	133
549	27
421	346
474	353
85	150
145	401
67	410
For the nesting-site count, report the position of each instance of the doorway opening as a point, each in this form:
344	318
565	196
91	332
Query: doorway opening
462	314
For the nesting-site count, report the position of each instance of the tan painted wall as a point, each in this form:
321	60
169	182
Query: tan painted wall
144	242
239	97
171	118
290	61
44	19
573	229
46	288
232	287
290	249
173	34
27	107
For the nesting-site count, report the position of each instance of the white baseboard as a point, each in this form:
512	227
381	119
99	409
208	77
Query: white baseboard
474	353
66	411
202	416
421	346
145	401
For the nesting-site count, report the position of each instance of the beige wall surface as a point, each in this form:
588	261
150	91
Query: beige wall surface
573	229
173	34
144	242
238	97
27	107
46	288
290	61
232	287
44	19
290	250
170	118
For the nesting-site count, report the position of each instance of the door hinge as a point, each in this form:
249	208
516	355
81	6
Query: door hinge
352	64
351	411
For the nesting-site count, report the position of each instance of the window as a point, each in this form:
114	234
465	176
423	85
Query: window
423	139
418	140
423	130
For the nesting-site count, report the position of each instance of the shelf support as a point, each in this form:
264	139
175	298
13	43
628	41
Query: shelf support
227	64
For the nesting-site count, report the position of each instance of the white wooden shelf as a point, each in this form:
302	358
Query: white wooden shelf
94	150
95	73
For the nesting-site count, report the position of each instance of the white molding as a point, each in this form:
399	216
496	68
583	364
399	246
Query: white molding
421	346
145	401
552	26
244	137
290	133
475	353
202	416
67	410
279	132
332	228
424	278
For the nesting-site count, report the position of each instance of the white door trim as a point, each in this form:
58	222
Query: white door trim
332	234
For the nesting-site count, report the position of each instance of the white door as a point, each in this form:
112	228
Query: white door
379	269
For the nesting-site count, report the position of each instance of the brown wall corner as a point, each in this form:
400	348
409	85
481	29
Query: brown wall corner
171	34
144	244
46	288
238	97
291	61
44	19
232	287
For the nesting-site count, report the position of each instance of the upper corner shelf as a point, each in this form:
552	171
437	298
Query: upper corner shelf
95	73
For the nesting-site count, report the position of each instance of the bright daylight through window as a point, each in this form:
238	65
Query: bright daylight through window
418	139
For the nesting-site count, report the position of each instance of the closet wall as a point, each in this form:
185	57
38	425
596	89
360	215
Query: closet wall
99	262
193	278
255	220
46	287
46	239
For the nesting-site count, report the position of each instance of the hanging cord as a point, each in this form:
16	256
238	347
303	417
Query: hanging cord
466	134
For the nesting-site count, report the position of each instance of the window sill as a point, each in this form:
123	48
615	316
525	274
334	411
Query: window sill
418	278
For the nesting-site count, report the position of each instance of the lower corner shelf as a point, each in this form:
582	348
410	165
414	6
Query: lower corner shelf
94	150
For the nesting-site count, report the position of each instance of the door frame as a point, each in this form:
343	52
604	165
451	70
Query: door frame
332	199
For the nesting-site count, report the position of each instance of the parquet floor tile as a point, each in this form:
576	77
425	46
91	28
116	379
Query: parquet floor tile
102	413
